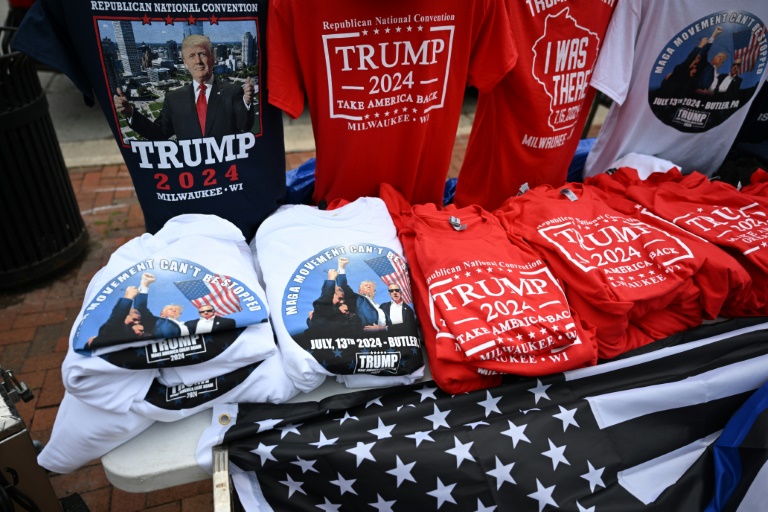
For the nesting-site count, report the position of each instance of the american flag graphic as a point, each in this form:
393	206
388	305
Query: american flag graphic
633	434
747	48
392	272
202	293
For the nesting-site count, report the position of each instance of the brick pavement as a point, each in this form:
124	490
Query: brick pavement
39	316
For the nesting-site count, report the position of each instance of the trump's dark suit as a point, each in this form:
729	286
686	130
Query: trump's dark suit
226	114
154	325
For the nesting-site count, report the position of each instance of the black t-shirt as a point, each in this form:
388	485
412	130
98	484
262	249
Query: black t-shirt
235	168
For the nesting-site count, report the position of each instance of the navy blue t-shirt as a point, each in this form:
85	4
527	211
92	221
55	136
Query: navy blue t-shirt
131	51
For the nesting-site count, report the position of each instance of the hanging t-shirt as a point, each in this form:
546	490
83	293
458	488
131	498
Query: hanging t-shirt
682	76
526	129
130	52
328	276
385	82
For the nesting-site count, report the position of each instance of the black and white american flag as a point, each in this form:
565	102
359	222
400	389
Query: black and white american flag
632	434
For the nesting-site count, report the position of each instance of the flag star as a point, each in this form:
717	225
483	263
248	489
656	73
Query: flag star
443	493
375	401
344	485
594	477
502	473
531	334
582	509
468	273
328	506
376	114
543	495
540	391
292	485
362	451
375	31
526	411
265	452
461	451
476	424
543	330
519	336
489	269
382	431
387	30
381	505
438	418
402	471
426	392
268	424
365	32
566	416
516	433
482	508
421	28
305	465
324	442
410	28
398	29
347	417
556	454
420	436
490	404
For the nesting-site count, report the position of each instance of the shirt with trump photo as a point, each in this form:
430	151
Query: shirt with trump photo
350	306
182	85
166	312
708	70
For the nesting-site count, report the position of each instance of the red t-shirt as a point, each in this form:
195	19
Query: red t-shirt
451	377
495	304
526	129
758	184
616	269
385	83
718	213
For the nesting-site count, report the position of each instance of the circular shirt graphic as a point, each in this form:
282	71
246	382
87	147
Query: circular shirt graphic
708	71
351	308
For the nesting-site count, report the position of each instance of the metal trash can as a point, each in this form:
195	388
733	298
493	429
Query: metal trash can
43	229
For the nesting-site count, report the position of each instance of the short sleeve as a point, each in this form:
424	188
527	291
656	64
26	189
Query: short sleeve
613	69
284	77
43	36
494	52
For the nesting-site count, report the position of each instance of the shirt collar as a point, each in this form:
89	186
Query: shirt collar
208	84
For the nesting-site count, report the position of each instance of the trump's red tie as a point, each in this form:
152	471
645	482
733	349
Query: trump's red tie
202	106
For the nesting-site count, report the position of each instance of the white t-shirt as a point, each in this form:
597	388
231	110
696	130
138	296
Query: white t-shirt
646	66
298	248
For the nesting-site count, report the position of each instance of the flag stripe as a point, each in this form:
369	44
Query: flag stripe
649	479
613	408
